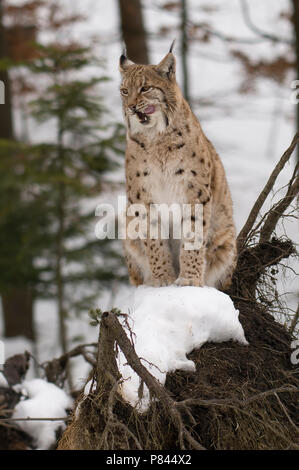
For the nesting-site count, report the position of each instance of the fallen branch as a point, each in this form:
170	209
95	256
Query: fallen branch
245	232
278	210
253	263
236	402
56	368
111	323
65	418
294	322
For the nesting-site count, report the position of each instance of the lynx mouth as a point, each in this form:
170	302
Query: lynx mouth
144	116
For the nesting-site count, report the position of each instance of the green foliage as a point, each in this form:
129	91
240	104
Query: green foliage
46	222
95	316
116	311
23	221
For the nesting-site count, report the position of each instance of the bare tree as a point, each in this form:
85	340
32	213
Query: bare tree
184	47
133	31
6	127
17	302
275	38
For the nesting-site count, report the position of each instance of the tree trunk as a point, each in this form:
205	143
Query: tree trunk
133	31
184	49
6	129
61	200
59	260
18	302
17	305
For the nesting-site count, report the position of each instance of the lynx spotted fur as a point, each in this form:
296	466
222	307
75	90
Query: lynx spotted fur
170	160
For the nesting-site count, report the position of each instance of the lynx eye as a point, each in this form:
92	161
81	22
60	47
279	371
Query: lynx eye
144	89
124	91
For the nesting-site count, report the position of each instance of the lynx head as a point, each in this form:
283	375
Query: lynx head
150	94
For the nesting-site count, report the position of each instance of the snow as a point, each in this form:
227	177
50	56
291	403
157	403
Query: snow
3	381
45	400
167	324
90	387
16	345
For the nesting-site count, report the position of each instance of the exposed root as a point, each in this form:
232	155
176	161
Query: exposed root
239	397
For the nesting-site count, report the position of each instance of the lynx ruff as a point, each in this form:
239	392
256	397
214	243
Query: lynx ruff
169	160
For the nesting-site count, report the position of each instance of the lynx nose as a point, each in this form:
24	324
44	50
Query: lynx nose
132	108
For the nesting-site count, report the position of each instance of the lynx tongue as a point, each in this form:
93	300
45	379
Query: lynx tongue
149	109
143	116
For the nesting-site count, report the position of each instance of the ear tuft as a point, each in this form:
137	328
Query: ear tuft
124	51
172	46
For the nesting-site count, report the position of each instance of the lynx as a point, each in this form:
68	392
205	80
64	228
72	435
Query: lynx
170	160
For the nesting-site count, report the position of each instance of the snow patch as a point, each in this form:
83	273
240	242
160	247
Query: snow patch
45	400
90	387
3	381
167	324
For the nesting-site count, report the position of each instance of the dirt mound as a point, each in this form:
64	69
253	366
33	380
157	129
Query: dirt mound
240	397
250	392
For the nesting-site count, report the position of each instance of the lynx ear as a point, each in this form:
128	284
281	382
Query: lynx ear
124	62
167	66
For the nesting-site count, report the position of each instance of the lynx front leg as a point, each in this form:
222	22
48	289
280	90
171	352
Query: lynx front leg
193	255
160	260
135	261
151	253
192	268
158	252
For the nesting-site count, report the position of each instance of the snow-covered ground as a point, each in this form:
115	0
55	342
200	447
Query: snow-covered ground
40	400
167	324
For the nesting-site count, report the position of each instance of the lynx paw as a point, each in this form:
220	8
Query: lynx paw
160	282
183	281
